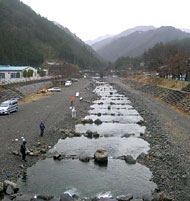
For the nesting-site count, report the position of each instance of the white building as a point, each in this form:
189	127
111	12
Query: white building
8	73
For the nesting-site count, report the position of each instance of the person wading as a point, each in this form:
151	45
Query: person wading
23	150
42	128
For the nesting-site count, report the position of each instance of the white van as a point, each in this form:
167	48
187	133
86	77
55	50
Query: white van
9	106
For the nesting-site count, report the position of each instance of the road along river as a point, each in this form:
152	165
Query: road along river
119	135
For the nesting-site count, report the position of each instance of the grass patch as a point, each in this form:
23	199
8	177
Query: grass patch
166	83
34	97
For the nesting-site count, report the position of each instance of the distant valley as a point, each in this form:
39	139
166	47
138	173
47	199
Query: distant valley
133	42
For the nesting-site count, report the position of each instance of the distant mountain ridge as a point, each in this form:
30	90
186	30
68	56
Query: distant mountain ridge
185	30
137	42
96	45
91	42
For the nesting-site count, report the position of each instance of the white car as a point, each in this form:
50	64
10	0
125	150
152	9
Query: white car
57	89
9	106
68	83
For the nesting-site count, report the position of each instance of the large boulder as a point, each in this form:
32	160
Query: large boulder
76	134
57	156
142	157
84	158
66	197
147	197
96	135
45	197
125	198
87	121
10	187
130	160
98	122
101	156
91	134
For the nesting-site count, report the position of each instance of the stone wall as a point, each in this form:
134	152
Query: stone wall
20	90
33	88
178	99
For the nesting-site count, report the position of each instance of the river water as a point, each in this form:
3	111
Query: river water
89	179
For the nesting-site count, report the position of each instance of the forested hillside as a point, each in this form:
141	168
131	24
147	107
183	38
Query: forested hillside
29	39
171	58
136	43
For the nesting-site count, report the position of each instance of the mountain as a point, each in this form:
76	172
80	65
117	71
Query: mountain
100	44
132	30
26	38
136	43
185	30
91	42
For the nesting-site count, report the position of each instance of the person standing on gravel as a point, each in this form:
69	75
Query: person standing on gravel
42	128
72	100
74	113
23	150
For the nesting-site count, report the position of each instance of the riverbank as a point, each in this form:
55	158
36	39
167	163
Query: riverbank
54	111
167	131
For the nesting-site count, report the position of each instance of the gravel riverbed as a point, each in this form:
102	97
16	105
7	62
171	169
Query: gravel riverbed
54	110
167	132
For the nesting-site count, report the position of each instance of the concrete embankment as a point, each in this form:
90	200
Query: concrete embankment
19	90
178	99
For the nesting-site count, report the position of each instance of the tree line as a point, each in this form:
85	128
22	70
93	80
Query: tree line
169	59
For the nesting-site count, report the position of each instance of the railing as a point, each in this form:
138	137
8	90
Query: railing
17	80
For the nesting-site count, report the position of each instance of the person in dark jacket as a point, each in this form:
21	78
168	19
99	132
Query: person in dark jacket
23	150
42	128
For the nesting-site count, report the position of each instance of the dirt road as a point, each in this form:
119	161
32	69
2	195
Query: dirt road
53	110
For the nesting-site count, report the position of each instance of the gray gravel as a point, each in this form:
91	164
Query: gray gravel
53	110
168	134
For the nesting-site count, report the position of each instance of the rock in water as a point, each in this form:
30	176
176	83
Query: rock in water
101	156
45	197
126	198
98	122
84	158
96	135
66	197
57	156
142	156
130	160
89	134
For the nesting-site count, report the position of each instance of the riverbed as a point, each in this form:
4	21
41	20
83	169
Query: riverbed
119	135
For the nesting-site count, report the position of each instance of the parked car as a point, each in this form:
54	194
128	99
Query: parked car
68	83
9	106
75	79
56	89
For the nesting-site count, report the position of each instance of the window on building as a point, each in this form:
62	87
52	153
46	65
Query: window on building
13	75
2	75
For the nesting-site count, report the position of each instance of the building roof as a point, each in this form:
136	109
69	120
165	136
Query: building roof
13	68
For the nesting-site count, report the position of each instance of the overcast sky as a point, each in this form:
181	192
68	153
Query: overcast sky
89	19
